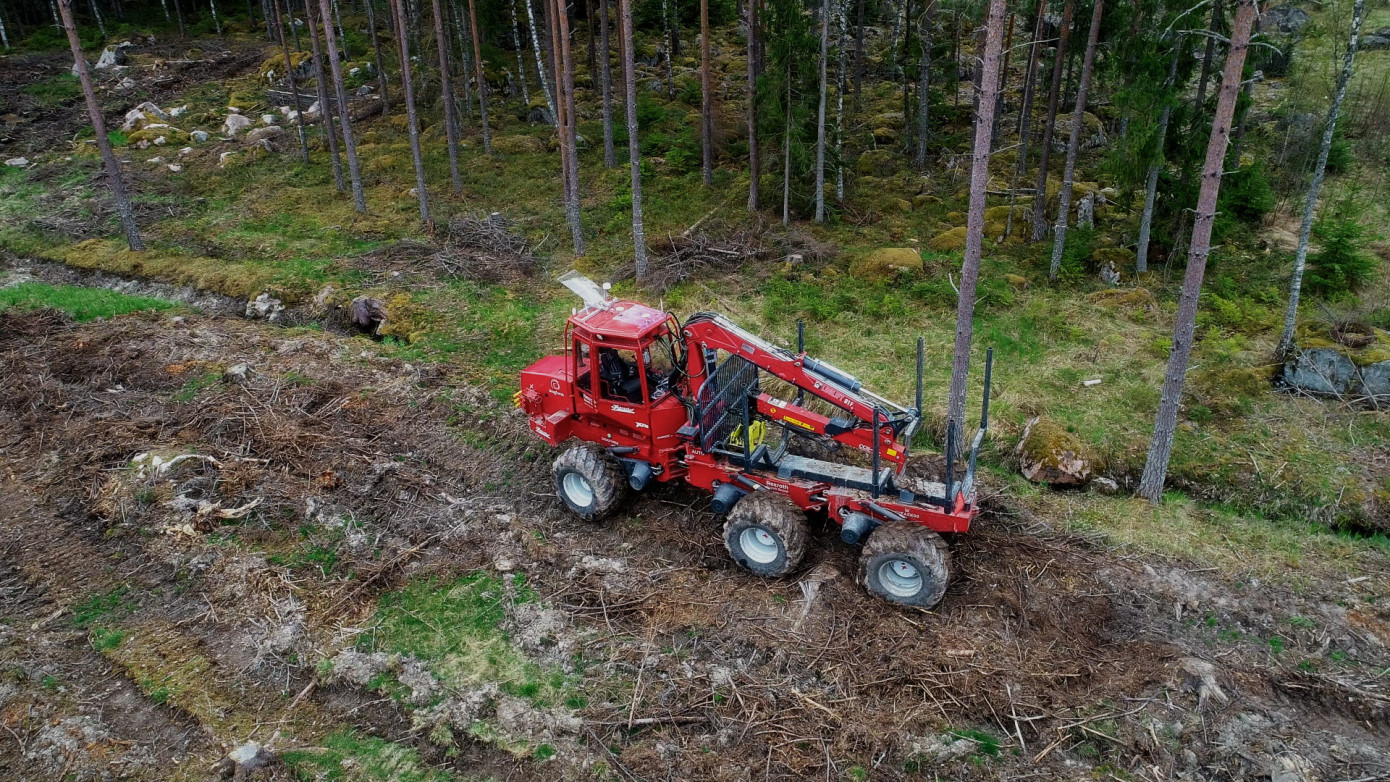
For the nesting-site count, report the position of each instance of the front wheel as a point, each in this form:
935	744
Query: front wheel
589	481
766	534
907	564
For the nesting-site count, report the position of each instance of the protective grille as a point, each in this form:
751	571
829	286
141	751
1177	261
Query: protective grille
719	405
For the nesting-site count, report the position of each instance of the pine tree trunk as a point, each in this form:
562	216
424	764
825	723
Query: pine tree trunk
1207	58
820	111
294	86
1165	423
975	221
1053	97
114	178
924	87
446	88
564	80
216	23
706	100
840	106
338	20
1286	341
1078	123
413	125
755	168
540	62
520	56
325	105
593	44
376	54
101	25
1025	115
465	48
673	46
858	54
634	153
606	83
1141	258
787	157
178	16
359	199
480	75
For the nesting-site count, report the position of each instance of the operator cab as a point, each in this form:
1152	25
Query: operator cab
627	352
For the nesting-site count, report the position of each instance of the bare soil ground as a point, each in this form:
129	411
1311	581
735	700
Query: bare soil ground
159	611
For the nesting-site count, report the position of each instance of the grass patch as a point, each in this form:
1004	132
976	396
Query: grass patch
349	755
82	304
56	91
106	638
87	612
456	628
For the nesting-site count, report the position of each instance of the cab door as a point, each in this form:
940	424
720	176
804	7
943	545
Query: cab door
582	370
622	391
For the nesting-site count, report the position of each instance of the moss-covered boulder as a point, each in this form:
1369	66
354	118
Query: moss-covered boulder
517	145
157	136
274	69
886	135
1092	132
405	320
1049	454
949	241
1125	299
885	263
1121	257
924	201
874	162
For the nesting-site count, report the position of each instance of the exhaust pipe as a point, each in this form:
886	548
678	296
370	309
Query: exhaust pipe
639	475
724	498
856	527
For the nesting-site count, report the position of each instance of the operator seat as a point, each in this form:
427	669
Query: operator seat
618	376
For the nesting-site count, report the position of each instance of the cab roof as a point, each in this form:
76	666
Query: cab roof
620	319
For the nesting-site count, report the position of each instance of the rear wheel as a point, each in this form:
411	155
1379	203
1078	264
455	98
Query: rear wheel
766	534
589	480
907	564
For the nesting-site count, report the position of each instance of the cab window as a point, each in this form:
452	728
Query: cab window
618	376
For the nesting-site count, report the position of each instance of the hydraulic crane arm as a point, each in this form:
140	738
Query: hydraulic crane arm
865	409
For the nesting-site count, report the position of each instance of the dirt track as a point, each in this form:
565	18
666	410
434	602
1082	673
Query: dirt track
1052	656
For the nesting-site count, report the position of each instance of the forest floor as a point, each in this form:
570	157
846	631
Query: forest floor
216	531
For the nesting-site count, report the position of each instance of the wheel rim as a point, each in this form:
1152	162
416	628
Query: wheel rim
900	578
759	545
578	490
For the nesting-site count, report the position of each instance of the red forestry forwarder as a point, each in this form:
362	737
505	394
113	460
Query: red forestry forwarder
654	399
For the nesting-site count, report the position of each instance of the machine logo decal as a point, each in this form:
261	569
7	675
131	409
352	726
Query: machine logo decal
621	409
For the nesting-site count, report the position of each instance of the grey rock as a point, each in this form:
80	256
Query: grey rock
150	110
17	162
1380	39
263	134
235	123
112	56
199	136
540	114
264	307
1319	371
1105	485
1375	382
237	373
368	313
1086	212
1285	19
125	85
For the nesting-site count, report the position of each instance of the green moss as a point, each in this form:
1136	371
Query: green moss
242	280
